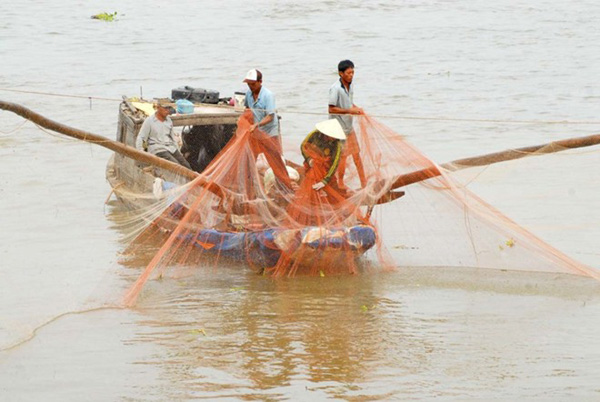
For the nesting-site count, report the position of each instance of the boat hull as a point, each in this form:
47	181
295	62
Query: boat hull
304	246
133	183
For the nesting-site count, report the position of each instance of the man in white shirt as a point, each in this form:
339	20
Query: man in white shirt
157	135
342	107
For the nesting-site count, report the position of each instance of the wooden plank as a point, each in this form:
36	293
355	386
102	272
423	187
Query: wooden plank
204	119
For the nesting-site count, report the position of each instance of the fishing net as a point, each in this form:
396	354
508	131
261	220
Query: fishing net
393	207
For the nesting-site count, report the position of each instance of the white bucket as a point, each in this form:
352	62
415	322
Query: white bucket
239	100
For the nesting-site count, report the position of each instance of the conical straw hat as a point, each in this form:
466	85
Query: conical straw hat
331	128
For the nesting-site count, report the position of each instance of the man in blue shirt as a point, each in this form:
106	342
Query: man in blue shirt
342	107
262	103
265	128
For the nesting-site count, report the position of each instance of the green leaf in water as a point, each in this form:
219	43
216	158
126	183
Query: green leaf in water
105	16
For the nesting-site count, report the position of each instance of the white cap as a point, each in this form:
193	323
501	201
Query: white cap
251	75
331	128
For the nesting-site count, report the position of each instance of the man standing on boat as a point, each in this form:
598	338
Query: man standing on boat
342	107
157	135
264	131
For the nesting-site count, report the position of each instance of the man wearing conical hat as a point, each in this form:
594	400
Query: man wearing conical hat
322	151
319	193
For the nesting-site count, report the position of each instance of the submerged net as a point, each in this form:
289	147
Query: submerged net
241	208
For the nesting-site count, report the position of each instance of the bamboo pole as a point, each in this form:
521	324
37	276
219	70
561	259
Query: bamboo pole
82	135
496	157
130	152
401	181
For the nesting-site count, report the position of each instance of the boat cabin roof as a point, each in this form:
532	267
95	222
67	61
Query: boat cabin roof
204	114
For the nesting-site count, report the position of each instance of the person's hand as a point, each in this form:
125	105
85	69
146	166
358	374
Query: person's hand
318	186
356	110
253	127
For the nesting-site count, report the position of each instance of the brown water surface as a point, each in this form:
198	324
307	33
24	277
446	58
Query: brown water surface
226	333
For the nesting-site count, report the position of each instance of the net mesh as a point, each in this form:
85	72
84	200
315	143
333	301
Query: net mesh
241	208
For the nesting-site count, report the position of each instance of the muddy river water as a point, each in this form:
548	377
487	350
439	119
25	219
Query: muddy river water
229	334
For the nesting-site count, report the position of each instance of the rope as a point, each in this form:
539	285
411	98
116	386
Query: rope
112	190
61	95
439	118
379	116
34	332
16	128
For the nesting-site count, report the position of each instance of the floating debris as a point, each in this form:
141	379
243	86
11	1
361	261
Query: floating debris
105	16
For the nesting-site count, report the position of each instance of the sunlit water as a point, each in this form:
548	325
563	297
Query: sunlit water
230	334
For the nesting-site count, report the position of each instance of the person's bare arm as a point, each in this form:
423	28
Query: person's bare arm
268	118
338	110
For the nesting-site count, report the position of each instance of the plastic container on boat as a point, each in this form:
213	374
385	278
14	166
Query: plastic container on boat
196	95
239	100
184	106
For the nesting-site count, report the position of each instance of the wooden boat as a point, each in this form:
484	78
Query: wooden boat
135	171
132	183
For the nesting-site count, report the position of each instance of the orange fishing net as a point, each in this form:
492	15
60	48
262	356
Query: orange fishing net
242	209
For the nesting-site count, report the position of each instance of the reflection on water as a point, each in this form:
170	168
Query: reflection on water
276	333
226	332
230	332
